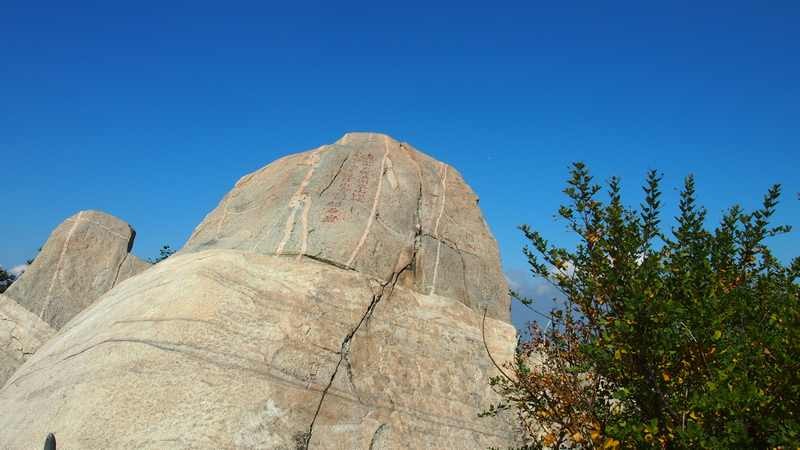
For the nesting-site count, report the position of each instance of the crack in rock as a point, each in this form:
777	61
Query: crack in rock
119	268
376	436
345	346
324	260
336	175
448	243
386	290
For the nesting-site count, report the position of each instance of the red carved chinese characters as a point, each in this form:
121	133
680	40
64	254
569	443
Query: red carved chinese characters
353	185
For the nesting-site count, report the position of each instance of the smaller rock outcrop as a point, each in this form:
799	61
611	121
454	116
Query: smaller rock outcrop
85	256
21	334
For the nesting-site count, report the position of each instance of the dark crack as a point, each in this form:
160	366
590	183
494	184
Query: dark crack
338	171
343	352
327	261
419	233
202	355
16	343
386	290
350	377
119	269
464	272
375	436
449	243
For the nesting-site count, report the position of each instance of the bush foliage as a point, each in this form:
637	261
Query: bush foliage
163	253
686	339
6	280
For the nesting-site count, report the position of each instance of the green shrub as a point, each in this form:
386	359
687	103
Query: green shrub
686	339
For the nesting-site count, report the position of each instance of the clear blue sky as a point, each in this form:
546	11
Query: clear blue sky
152	111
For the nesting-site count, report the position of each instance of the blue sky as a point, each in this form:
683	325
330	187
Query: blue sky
152	111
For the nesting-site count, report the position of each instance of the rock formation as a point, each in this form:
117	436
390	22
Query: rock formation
334	299
21	334
358	204
85	256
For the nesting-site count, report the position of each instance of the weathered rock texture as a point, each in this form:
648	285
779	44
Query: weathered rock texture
296	317
358	204
21	334
84	257
228	349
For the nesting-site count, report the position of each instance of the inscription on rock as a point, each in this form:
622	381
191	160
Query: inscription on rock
354	187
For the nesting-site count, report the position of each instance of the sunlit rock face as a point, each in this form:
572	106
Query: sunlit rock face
21	334
84	257
366	203
334	299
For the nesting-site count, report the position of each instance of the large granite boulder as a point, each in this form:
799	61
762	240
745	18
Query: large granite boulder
231	349
21	334
321	333
85	256
359	203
